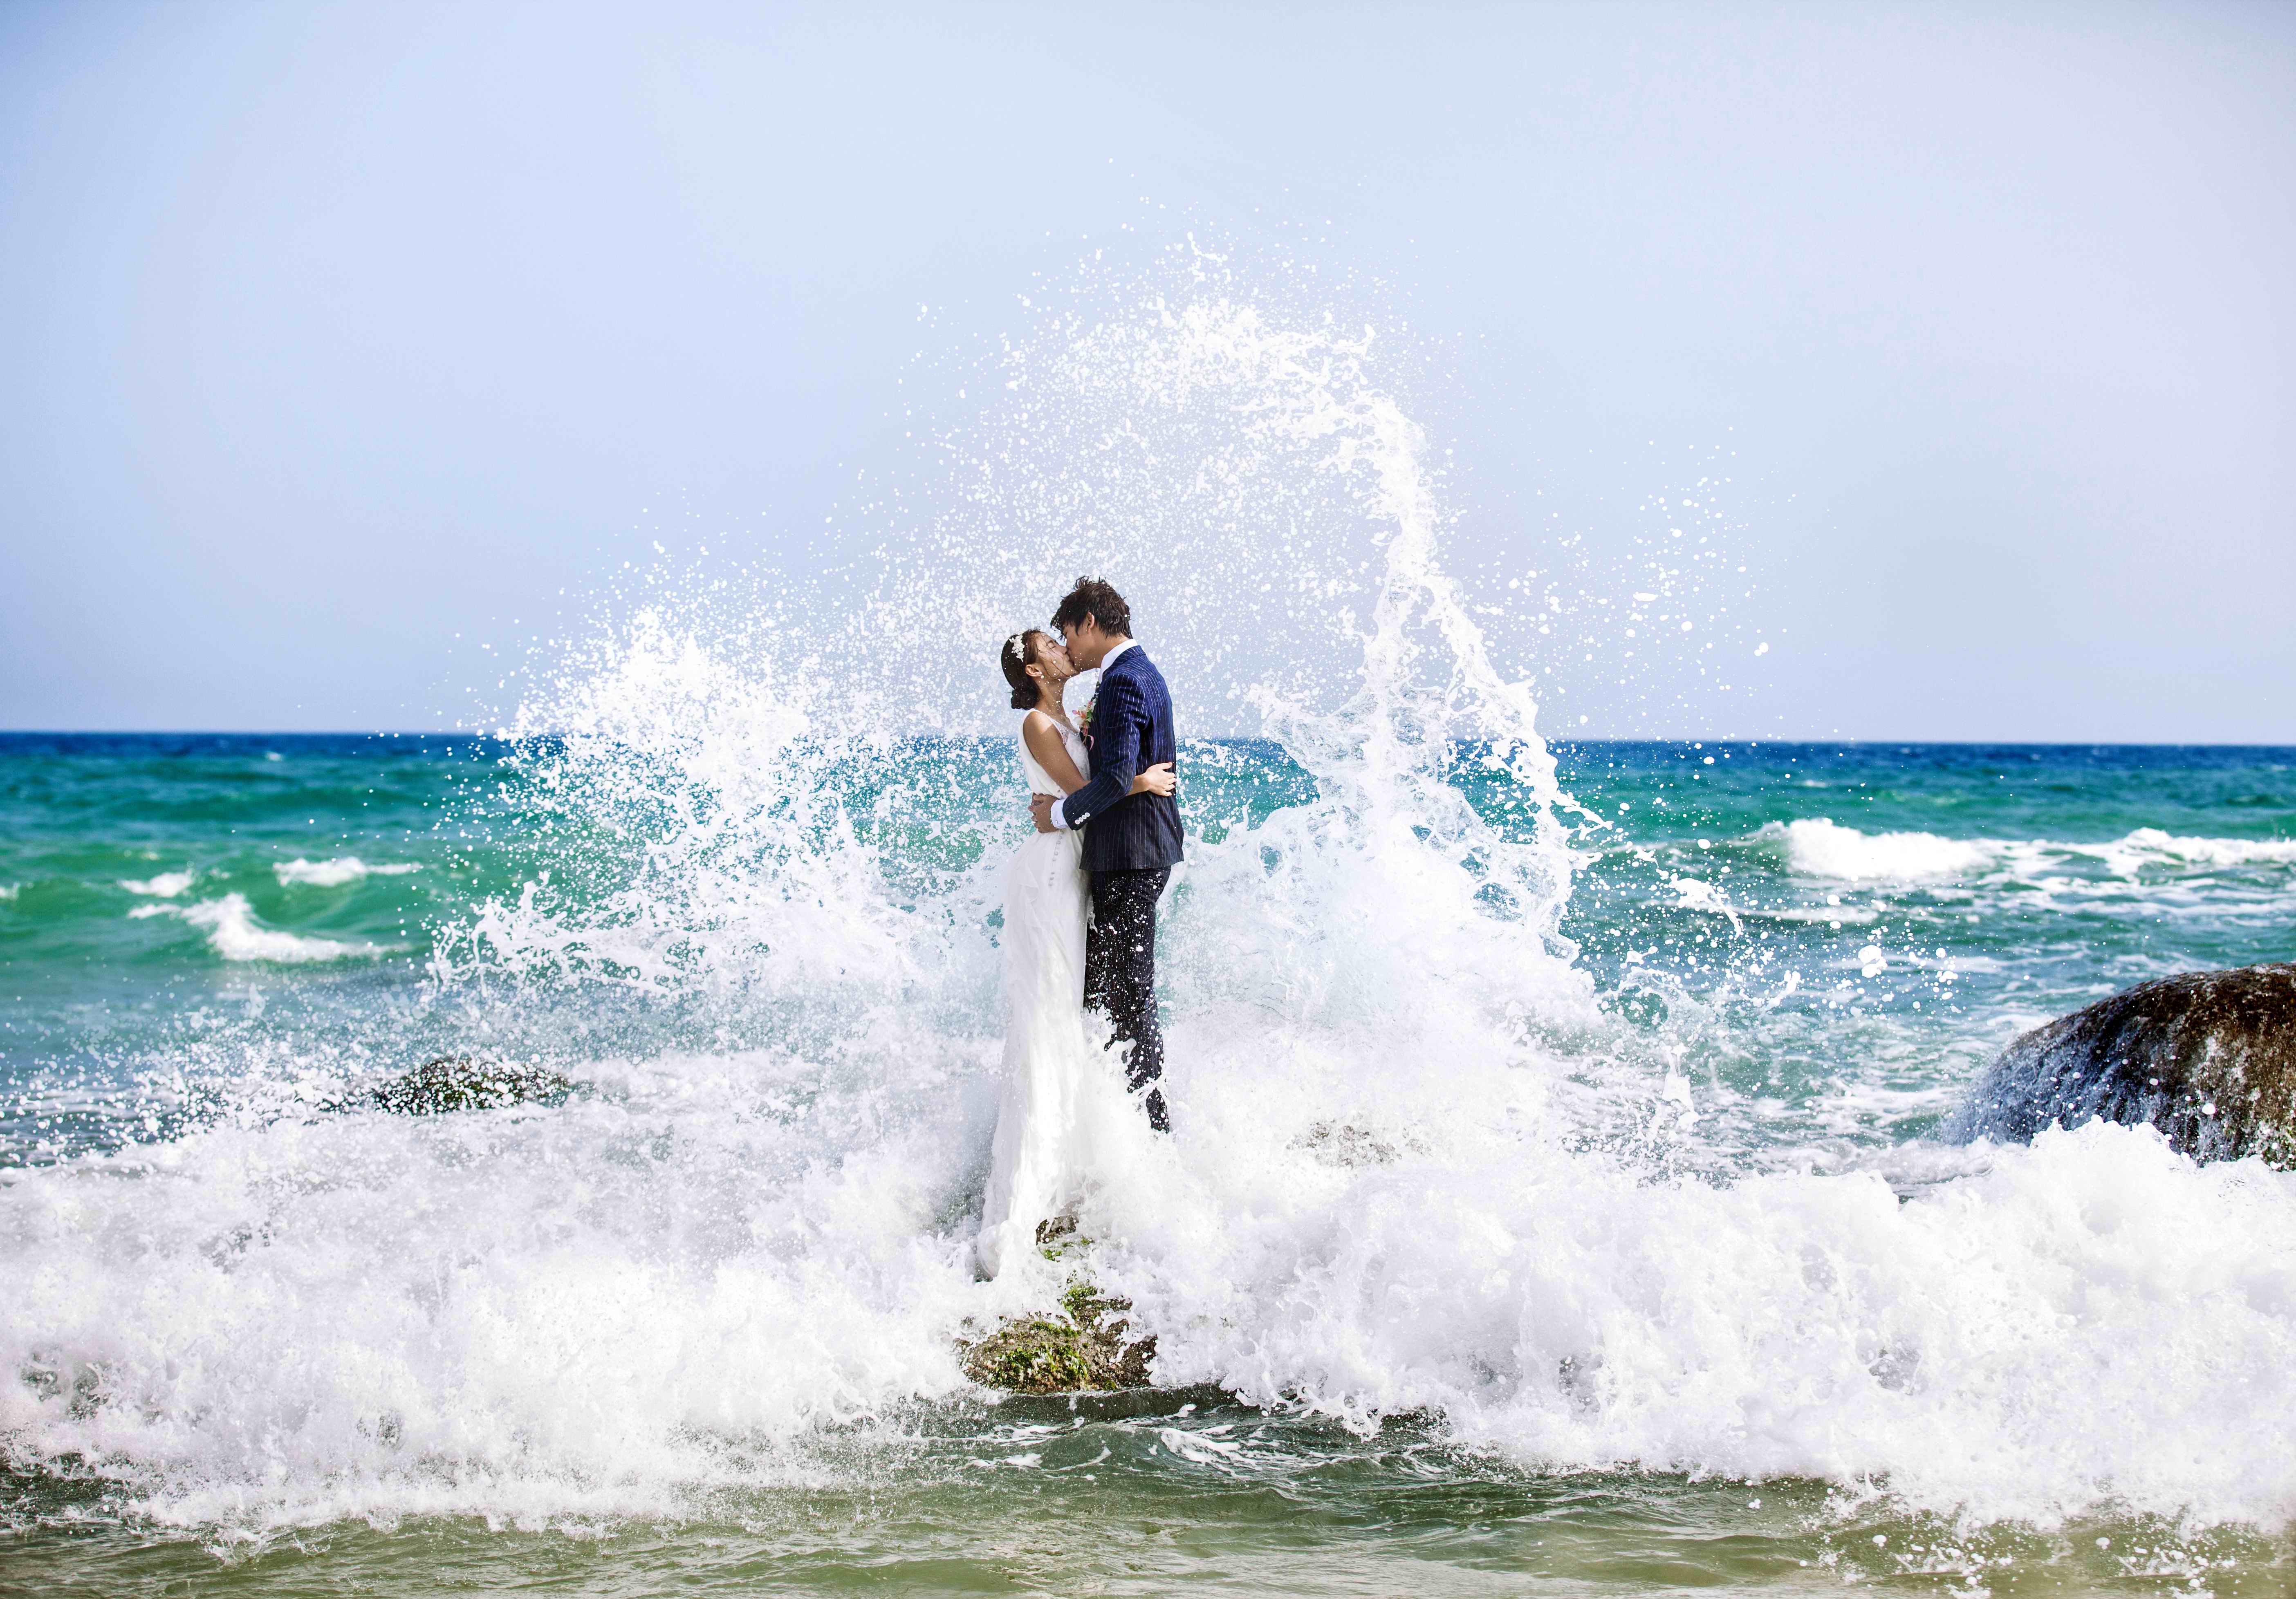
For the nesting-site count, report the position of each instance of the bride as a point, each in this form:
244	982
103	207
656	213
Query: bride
1036	1168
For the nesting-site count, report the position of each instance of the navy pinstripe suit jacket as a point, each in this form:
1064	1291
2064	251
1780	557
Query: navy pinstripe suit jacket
1131	730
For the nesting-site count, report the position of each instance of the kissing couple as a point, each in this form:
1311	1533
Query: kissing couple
1079	905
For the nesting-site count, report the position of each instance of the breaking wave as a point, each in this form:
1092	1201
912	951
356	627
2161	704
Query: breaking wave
235	933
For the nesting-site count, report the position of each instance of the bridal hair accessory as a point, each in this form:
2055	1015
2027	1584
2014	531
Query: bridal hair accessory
1026	682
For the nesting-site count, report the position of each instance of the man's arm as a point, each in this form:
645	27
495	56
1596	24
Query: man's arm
1117	726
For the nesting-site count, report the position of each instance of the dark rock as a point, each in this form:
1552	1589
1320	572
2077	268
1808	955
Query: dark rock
2209	1058
452	1083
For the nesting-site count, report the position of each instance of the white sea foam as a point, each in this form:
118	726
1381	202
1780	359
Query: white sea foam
166	885
1818	846
673	1283
342	869
8	890
369	1316
235	935
2149	848
1997	1343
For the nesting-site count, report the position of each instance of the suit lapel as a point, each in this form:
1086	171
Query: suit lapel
1092	706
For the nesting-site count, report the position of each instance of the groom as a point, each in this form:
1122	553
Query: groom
1131	842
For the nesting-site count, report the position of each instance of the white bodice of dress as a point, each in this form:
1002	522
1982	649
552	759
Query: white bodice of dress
1040	781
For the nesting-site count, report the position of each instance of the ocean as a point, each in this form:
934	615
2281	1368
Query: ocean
1557	1199
1678	1288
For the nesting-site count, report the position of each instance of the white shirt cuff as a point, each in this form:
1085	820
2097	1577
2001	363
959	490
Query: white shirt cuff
1059	814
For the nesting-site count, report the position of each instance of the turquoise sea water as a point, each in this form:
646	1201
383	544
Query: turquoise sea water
691	1330
2037	877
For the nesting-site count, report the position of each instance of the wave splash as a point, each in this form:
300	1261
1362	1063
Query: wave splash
762	1228
235	933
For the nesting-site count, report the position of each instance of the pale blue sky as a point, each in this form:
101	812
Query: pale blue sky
331	332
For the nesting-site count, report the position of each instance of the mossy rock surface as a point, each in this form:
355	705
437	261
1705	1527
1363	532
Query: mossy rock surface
1081	1348
451	1083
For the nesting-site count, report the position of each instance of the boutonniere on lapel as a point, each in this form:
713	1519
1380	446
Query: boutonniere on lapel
1083	717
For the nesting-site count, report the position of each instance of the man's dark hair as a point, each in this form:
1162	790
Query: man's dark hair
1092	597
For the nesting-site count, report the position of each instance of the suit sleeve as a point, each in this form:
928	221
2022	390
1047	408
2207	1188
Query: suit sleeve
1117	728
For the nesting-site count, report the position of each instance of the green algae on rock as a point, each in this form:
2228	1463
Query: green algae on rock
1081	1350
451	1083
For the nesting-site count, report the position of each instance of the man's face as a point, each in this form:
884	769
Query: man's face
1086	643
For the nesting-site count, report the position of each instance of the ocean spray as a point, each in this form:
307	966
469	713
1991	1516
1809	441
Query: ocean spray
1411	1174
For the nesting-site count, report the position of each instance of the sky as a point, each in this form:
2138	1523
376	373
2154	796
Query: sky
338	343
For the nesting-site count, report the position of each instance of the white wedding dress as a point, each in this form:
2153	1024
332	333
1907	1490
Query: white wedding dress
1040	1159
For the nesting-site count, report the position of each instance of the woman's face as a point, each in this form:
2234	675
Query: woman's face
1053	659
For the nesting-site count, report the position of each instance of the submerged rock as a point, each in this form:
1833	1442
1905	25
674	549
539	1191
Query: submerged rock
1344	1144
451	1083
2209	1058
1081	1350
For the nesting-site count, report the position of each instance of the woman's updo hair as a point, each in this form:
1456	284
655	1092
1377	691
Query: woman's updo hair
1018	655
